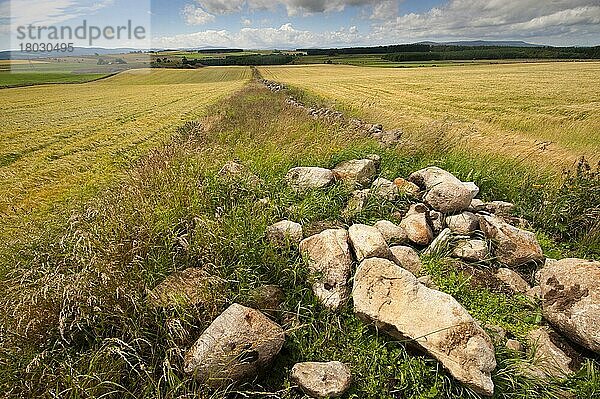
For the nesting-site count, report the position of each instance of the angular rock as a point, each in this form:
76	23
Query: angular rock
472	187
570	290
393	299
552	356
512	246
392	233
416	226
356	171
322	380
357	202
407	258
445	193
471	250
236	346
477	205
284	232
367	242
465	223
330	264
385	189
308	178
407	188
192	286
513	280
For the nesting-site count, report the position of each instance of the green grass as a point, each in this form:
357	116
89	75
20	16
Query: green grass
10	79
74	321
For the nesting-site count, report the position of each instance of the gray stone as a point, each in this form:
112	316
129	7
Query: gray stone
513	280
330	264
393	299
407	258
471	250
356	172
570	291
392	233
367	242
512	246
284	232
236	346
322	380
309	178
445	193
465	223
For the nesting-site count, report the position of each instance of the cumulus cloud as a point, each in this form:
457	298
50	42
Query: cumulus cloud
194	15
517	19
293	7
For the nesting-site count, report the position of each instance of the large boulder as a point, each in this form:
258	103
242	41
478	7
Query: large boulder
330	265
192	286
284	232
356	172
394	300
407	258
445	192
322	380
416	225
570	291
368	242
236	346
551	355
392	233
308	178
512	246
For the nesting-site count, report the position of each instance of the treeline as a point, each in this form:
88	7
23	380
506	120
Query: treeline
442	53
399	48
242	60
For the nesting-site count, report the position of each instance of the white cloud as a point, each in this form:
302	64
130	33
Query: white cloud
193	15
293	7
246	22
385	10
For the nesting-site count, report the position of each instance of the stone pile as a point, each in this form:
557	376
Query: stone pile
378	268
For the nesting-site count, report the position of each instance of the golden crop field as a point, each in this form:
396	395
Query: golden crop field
59	137
544	111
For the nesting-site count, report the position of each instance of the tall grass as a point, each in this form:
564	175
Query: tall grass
74	317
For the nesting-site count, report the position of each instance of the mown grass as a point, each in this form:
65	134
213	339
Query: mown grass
546	112
74	317
8	79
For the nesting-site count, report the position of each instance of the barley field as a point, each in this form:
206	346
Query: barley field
545	111
56	138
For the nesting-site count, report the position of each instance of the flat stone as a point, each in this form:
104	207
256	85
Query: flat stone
393	299
513	280
236	346
322	380
330	265
465	223
471	250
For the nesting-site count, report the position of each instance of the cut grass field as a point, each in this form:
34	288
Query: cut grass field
61	139
549	112
75	321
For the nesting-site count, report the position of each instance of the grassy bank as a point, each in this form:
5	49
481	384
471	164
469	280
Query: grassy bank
75	320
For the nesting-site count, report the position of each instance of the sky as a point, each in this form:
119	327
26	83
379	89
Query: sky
289	24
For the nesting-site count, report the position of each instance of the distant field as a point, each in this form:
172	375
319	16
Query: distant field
551	110
55	138
8	79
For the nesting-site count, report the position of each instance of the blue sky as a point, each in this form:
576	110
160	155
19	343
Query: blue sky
322	23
